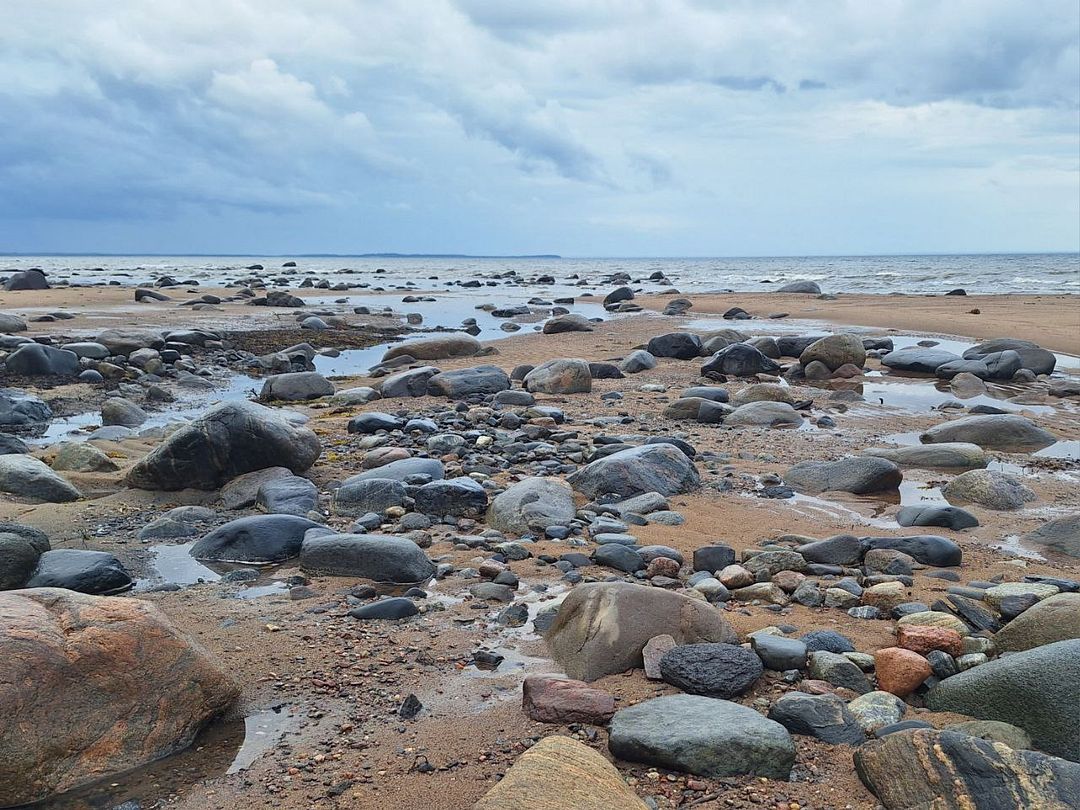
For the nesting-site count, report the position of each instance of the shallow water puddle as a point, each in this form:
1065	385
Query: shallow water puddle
173	564
262	731
256	591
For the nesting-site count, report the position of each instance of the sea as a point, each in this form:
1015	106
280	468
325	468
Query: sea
1029	273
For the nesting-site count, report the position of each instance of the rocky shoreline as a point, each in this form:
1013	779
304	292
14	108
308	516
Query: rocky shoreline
717	557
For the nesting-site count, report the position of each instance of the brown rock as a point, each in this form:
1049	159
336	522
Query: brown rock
662	567
923	639
816	687
560	774
787	581
735	576
382	456
900	671
95	685
652	652
885	595
560	700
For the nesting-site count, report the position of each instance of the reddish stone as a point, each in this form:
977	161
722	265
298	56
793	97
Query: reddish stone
900	671
662	567
788	580
924	638
489	569
559	700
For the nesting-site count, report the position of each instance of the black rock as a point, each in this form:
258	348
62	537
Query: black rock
827	641
93	572
928	549
739	360
255	539
713	558
714	670
679	345
395	607
825	717
949	517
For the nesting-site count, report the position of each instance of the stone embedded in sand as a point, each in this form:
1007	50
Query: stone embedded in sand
296	386
1056	618
20	409
435	348
228	440
900	671
560	700
378	557
946	455
95	686
859	475
1060	534
29	477
659	468
835	351
1000	431
126	341
464	382
567	323
123	412
928	549
532	505
918	360
947	770
989	488
559	773
256	539
739	360
32	279
560	376
602	627
764	413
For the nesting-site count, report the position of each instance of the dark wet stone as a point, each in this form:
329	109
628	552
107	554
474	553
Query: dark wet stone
93	572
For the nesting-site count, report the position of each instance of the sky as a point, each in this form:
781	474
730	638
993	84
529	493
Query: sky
584	128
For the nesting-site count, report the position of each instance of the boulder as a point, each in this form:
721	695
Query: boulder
81	457
714	670
82	570
403	469
32	279
358	496
373	422
409	383
835	351
661	468
33	360
945	770
805	287
228	440
440	347
95	686
949	517
1037	690
379	557
19	409
126	341
989	488
917	360
11	323
244	489
944	456
859	475
465	382
999	431
637	361
764	414
677	345
119	411
703	736
559	773
258	539
548	699
569	322
1056	618
531	505
1060	534
1032	356
460	497
18	558
928	549
296	386
760	392
824	717
739	360
291	495
602	627
28	477
841	549
560	376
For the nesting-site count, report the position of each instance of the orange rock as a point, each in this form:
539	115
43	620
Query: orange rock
924	638
900	671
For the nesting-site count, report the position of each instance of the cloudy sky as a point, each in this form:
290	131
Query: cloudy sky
580	127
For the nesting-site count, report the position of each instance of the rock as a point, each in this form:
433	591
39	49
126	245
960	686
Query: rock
68	690
460	497
1032	356
824	717
761	392
435	348
947	455
18	558
714	558
934	618
27	477
702	736
228	440
549	699
126	341
466	382
1060	534
928	549
739	360
92	572
560	376
410	383
32	279
244	489
570	322
373	422
765	414
835	351
922	639
296	386
358	496
859	475
531	505
82	457
807	287
841	549
637	361
1032	592
677	345
918	360
119	411
11	323
993	731
601	628
965	385
989	488
876	710
827	641
356	396
33	359
767	563
258	539
1037	690
779	653
378	557
1056	618
403	469
713	670
660	468
837	670
926	768
949	517
394	607
618	295
655	649
288	496
900	671
1003	431
559	773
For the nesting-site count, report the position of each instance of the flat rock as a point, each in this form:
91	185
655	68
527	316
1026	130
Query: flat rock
531	505
859	475
943	456
28	477
548	699
1060	534
296	386
714	670
82	570
1004	431
824	717
989	488
435	348
379	557
258	539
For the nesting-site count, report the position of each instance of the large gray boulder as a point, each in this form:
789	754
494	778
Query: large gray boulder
944	456
123	412
1032	356
659	468
11	323
764	414
859	475
989	488
835	351
560	376
404	468
257	539
1037	690
409	383
917	360
228	440
440	347
602	627
1056	618
82	570
1060	534
296	386
126	341
19	409
358	496
466	382
703	736
28	477
33	360
379	557
999	431
739	360
32	279
532	505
